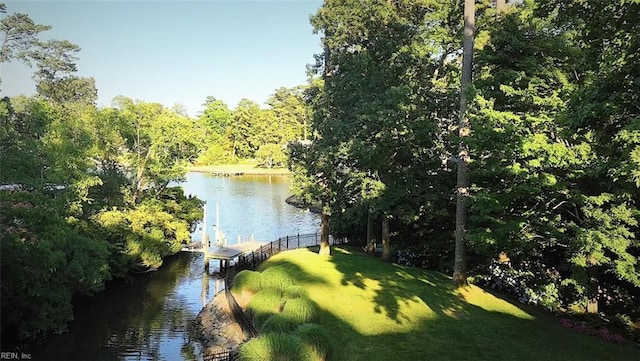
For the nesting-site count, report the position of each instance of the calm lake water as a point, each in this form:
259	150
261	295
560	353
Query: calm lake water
147	317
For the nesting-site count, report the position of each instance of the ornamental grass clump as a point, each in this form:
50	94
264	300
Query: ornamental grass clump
317	339
300	310
295	292
264	304
278	323
277	278
275	346
247	281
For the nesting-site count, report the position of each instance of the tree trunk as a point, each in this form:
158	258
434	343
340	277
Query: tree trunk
386	248
592	299
371	240
462	193
325	249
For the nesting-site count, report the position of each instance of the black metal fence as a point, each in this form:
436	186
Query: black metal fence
251	261
222	356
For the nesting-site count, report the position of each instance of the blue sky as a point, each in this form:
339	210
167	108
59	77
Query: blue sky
178	51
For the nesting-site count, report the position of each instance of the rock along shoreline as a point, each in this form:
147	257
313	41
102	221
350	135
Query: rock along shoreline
215	327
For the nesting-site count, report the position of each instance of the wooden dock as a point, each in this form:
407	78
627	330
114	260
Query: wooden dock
234	250
224	254
225	173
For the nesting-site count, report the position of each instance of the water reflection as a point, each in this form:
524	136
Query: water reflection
148	316
135	319
250	205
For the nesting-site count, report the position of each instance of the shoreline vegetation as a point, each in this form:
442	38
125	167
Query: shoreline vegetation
239	169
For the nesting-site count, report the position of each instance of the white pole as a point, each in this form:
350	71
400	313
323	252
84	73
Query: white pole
205	244
217	225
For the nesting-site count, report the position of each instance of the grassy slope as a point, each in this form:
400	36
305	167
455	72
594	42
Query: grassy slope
378	311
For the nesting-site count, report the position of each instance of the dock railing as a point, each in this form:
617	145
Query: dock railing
251	261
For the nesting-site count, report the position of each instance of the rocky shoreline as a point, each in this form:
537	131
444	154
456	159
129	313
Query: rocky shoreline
216	328
299	203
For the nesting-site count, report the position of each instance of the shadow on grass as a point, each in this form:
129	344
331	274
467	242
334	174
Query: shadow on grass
398	285
295	271
405	313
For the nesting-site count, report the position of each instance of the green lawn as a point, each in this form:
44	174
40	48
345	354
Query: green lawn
378	311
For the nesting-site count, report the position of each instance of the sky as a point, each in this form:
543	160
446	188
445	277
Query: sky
177	52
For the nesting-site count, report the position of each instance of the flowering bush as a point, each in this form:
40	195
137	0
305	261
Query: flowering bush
601	332
532	284
427	256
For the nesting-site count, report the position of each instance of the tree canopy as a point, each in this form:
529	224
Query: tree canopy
548	134
550	140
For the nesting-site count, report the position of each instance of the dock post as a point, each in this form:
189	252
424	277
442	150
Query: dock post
205	239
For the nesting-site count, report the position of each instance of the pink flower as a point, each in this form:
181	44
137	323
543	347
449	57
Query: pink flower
566	323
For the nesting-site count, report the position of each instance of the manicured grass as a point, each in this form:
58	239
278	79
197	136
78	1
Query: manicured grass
378	311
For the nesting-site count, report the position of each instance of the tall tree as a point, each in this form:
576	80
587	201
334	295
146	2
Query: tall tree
603	113
214	122
19	34
291	112
240	131
370	118
160	143
56	61
215	117
462	185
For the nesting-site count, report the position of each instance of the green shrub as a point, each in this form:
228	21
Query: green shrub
275	346
295	292
276	277
271	155
247	281
317	339
300	310
531	283
278	323
264	304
